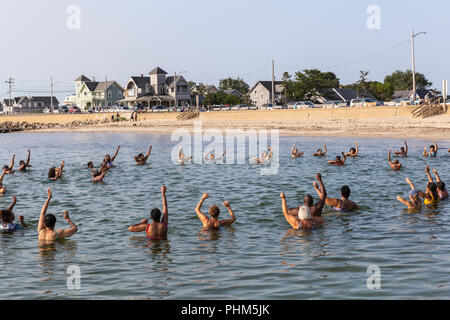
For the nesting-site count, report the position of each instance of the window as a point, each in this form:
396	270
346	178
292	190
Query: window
85	93
119	94
109	94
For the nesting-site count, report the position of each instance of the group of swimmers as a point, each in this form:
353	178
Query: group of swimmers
307	216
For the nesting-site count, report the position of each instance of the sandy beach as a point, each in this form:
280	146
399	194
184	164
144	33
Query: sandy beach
344	122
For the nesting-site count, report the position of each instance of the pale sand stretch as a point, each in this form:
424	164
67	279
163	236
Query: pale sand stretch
343	122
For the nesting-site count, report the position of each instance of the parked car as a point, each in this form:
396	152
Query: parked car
159	109
334	104
291	105
304	105
252	108
74	110
278	106
48	110
400	102
365	102
63	109
240	107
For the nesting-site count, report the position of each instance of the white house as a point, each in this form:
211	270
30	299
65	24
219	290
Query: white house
261	93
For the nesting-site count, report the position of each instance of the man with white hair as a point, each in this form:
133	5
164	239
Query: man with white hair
304	220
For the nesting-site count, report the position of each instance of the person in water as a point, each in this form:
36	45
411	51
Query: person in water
56	173
304	220
440	185
90	165
109	161
403	151
339	161
10	169
320	152
433	150
47	222
395	165
24	165
414	202
308	201
353	151
2	187
7	219
214	211
265	156
141	159
295	153
98	175
431	195
343	204
182	159
211	157
157	230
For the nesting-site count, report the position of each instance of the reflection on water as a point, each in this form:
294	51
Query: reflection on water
259	257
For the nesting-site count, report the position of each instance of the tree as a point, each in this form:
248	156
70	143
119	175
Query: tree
236	84
362	83
402	80
311	82
221	98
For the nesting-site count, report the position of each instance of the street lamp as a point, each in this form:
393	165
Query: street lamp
175	87
414	63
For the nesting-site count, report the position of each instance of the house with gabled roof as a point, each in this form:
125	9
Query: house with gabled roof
29	104
156	89
261	93
340	94
96	94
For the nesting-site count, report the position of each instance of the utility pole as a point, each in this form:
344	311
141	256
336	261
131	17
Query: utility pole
51	94
175	88
414	63
273	83
10	82
106	91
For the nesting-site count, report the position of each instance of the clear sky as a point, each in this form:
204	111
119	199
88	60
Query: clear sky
211	39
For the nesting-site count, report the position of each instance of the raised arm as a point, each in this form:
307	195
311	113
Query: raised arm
65	233
2	176
223	155
14	201
115	154
389	158
435	145
60	170
165	218
406	148
322	192
410	184
324	152
438	179
292	149
344	158
427	171
41	225
228	222
201	215
357	149
27	164
12	162
292	220
148	153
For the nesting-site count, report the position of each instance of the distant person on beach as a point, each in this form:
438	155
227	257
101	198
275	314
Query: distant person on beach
295	153
141	159
353	151
157	230
24	165
56	173
108	161
315	209
7	219
433	150
214	211
395	165
403	151
47	222
304	220
2	187
211	157
182	159
10	169
440	185
339	161
343	204
414	202
320	152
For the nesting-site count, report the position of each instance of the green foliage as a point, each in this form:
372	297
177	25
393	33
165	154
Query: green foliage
221	98
402	80
308	83
236	84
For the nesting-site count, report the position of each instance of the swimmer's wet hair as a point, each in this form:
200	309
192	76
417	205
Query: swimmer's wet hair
345	191
441	185
52	172
6	215
214	211
155	214
309	200
49	221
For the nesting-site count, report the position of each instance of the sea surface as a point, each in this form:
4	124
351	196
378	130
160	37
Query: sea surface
259	257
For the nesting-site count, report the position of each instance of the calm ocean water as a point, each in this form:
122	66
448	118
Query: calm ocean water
260	257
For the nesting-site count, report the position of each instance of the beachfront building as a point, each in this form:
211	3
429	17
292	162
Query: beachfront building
94	94
261	93
157	89
345	95
422	94
70	100
30	104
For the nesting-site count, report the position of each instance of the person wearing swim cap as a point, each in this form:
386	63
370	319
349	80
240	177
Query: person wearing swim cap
108	161
403	151
316	209
440	185
24	165
7	219
304	220
214	211
353	151
10	169
157	230
343	204
414	202
320	152
395	165
433	150
141	159
339	161
56	173
46	227
295	153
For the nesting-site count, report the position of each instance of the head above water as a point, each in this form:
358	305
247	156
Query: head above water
396	161
52	173
21	162
155	214
319	150
49	221
338	158
440	186
345	192
108	158
352	150
308	200
402	149
7	216
431	148
90	165
304	213
214	211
